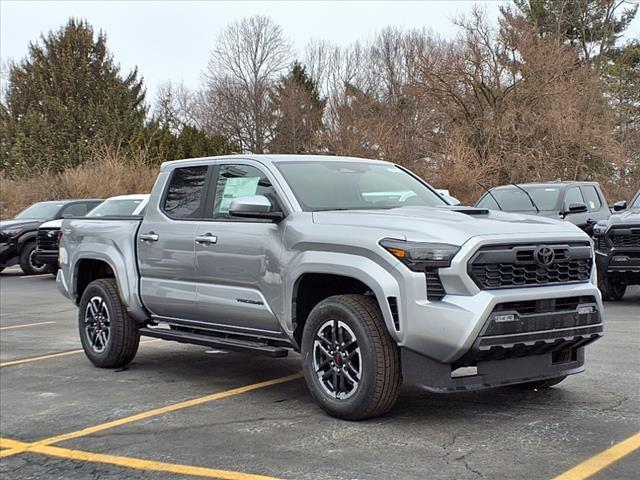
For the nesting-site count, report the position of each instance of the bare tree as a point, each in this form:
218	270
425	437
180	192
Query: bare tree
247	59
175	106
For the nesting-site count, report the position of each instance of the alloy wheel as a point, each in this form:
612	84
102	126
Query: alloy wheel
97	324
337	360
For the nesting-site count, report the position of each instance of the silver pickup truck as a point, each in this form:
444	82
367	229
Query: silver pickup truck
359	265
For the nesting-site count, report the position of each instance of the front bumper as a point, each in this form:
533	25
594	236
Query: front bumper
47	257
618	261
8	253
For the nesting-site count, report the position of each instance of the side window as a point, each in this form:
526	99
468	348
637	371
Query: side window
573	195
240	181
75	210
182	199
488	202
592	198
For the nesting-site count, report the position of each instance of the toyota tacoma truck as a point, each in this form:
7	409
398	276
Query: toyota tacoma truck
617	242
359	265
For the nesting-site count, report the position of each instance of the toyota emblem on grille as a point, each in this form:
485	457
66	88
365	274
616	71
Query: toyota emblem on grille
544	256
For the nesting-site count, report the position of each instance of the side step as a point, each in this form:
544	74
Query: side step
215	341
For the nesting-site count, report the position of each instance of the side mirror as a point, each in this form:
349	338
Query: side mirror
255	206
619	206
577	207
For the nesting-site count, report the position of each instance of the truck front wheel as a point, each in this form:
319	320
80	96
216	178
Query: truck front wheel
28	263
351	364
109	336
611	289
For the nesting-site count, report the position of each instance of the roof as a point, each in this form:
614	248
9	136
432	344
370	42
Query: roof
133	196
268	158
563	183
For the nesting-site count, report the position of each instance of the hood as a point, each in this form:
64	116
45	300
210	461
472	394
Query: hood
26	224
446	225
628	216
52	224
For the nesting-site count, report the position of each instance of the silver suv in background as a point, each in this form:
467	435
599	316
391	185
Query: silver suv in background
359	265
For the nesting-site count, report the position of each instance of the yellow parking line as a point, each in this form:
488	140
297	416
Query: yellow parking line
26	325
39	275
54	355
600	461
139	464
149	414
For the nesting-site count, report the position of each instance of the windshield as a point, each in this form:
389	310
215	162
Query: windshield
355	185
115	207
40	211
512	199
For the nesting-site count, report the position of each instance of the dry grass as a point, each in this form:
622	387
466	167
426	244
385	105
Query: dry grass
108	173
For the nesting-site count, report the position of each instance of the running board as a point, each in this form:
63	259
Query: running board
215	341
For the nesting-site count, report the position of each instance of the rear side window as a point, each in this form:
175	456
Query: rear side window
184	195
76	210
573	196
240	181
592	198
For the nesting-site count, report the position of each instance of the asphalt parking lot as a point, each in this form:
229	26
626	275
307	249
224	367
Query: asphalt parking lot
185	411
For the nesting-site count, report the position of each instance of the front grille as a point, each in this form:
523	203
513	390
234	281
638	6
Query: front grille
528	307
47	239
435	290
510	266
619	239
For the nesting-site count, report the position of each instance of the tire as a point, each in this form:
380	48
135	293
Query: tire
612	290
27	263
540	384
369	363
100	311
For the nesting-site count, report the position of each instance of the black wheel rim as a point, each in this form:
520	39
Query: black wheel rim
37	266
337	360
97	324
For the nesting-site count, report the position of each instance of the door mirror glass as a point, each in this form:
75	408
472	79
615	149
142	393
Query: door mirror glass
576	207
254	206
619	206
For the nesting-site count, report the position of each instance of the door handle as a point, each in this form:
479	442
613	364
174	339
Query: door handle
207	239
149	237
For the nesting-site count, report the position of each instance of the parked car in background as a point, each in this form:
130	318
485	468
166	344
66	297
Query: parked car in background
18	235
617	243
358	264
581	203
49	233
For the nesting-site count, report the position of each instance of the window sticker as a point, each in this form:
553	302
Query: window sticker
237	187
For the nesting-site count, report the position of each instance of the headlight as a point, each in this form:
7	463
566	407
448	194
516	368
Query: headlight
419	256
599	230
13	232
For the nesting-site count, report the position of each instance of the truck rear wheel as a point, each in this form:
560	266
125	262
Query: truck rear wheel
109	336
350	362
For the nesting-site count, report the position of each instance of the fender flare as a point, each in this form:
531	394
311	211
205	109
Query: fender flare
24	239
363	269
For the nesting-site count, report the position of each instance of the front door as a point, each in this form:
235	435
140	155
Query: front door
239	277
166	245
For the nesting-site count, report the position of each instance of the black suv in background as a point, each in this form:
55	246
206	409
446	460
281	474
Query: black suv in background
617	243
581	203
18	235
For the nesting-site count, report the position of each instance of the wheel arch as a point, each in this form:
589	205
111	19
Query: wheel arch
322	274
26	238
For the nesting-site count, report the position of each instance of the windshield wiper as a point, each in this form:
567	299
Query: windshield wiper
527	194
492	195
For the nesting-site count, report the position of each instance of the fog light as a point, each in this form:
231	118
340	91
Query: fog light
586	310
510	317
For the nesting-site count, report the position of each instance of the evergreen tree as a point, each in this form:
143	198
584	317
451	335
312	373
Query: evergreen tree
298	108
63	97
591	25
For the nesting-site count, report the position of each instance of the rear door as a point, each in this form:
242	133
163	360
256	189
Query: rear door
237	260
598	209
166	247
573	194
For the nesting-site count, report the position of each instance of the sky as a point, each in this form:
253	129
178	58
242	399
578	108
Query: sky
172	40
